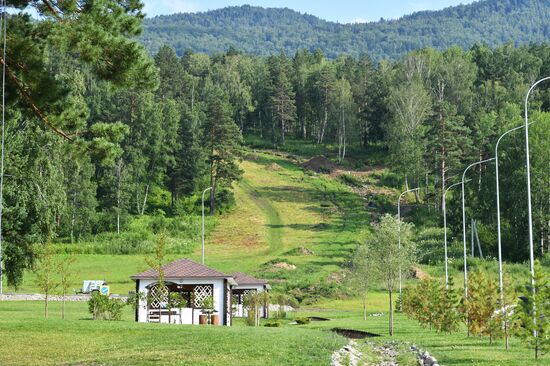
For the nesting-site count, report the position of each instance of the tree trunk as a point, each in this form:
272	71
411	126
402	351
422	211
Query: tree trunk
212	196
46	305
145	200
365	305
118	194
391	312
344	137
261	127
325	119
63	306
73	217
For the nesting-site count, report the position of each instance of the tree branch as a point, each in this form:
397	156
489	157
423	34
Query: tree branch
53	10
37	111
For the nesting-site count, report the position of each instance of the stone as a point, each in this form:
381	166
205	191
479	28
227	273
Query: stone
429	361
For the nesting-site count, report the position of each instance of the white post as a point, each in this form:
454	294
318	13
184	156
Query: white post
203	192
399	236
499	235
464	225
529	213
445	231
4	30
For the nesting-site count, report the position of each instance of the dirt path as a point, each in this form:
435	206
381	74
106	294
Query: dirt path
273	218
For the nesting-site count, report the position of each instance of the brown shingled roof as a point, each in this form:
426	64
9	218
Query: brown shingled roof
182	268
244	279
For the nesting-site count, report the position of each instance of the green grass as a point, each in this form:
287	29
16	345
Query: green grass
28	339
450	349
278	211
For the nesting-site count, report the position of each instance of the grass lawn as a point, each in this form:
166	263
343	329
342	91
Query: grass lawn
28	339
450	349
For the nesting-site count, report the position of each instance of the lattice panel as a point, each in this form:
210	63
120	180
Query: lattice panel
246	292
158	295
202	292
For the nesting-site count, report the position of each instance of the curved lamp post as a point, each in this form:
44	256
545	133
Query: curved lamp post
399	234
499	235
445	231
464	224
529	213
203	192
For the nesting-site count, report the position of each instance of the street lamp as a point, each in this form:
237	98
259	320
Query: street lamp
464	224
529	213
399	234
499	235
445	231
203	192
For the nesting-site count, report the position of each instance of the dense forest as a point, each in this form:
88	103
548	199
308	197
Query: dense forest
92	141
260	31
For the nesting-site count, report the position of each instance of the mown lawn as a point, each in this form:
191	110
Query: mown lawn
28	339
455	349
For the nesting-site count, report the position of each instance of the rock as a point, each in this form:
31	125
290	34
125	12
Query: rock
285	266
429	361
274	167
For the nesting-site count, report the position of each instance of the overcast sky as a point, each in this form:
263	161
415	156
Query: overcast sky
343	11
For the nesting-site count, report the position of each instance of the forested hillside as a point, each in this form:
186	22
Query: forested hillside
262	31
95	142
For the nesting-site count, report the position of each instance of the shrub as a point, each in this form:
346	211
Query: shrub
302	320
104	308
273	324
351	180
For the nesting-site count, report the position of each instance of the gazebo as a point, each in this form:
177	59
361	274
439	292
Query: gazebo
247	284
194	283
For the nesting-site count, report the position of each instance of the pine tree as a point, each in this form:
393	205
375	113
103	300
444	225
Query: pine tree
447	315
282	97
222	142
533	313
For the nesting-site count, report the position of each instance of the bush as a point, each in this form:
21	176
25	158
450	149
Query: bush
351	180
302	320
273	324
104	308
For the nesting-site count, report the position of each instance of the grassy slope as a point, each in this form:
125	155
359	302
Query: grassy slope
277	210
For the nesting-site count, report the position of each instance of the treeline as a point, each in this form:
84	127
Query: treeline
98	131
261	31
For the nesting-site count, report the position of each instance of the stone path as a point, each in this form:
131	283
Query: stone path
348	355
40	297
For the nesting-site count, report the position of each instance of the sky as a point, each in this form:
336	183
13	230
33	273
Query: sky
343	11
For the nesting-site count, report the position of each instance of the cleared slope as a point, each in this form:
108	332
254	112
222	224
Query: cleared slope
287	215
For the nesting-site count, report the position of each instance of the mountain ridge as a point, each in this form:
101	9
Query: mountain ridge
265	31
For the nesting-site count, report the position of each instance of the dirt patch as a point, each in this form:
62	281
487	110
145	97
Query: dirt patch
335	277
354	334
252	157
274	167
318	319
284	265
300	251
419	274
320	164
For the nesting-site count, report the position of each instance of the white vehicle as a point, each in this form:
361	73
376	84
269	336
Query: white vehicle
90	286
